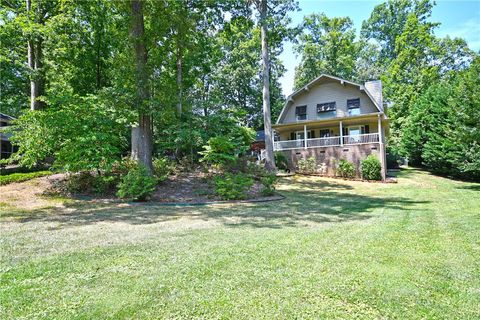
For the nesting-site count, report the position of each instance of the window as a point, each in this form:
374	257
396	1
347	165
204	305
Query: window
325	133
300	135
353	106
355	130
326	110
301	112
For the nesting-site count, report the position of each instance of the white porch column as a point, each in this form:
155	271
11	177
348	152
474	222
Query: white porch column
305	136
341	133
380	133
383	155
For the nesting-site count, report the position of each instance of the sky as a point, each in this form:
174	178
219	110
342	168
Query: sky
457	18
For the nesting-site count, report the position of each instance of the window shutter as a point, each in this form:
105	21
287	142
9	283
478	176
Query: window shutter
345	131
312	136
367	129
292	135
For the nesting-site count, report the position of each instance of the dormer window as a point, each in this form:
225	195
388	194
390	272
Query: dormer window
326	110
301	112
353	106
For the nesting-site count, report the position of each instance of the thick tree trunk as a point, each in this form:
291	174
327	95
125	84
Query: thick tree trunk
141	135
34	56
269	157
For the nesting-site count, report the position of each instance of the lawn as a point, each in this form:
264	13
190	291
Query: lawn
330	249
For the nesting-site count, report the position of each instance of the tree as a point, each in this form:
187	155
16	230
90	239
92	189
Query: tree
326	46
35	55
142	135
442	131
267	121
388	20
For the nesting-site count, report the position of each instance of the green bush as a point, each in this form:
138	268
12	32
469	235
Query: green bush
233	186
281	161
87	183
162	168
256	171
80	133
268	184
345	169
219	151
124	166
20	177
371	168
137	185
307	166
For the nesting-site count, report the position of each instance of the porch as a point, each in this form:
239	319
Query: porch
323	134
326	142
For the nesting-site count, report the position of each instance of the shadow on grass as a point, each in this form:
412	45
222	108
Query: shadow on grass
473	187
309	202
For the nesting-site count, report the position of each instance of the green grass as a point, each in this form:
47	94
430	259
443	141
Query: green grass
331	249
20	177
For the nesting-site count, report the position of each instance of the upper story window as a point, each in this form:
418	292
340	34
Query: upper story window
326	110
353	106
301	112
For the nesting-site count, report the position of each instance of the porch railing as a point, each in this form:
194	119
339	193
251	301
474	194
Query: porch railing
361	138
289	144
323	142
326	142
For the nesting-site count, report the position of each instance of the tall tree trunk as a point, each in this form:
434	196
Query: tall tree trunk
267	120
179	78
98	62
141	135
34	56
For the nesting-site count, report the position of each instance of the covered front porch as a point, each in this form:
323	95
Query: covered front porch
328	133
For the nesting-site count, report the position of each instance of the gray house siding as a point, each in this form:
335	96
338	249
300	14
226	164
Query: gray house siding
328	92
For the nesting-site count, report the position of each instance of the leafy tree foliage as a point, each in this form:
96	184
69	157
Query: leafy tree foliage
442	131
387	23
204	76
326	45
94	143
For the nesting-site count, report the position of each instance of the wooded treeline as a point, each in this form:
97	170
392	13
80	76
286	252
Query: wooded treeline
184	71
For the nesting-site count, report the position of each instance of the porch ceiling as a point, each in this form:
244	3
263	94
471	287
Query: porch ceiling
371	117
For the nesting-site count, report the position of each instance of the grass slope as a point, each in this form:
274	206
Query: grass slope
331	249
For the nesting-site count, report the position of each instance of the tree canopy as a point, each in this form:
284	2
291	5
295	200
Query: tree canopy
196	72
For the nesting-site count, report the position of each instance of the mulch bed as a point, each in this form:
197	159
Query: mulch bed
193	187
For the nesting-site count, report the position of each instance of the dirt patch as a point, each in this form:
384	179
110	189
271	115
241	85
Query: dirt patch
189	187
30	194
193	187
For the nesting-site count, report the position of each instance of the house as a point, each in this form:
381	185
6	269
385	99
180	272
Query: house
332	119
6	148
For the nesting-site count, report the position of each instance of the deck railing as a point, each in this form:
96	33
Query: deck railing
326	142
323	142
361	138
289	144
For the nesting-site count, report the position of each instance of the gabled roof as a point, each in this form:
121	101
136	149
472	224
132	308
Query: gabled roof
306	87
